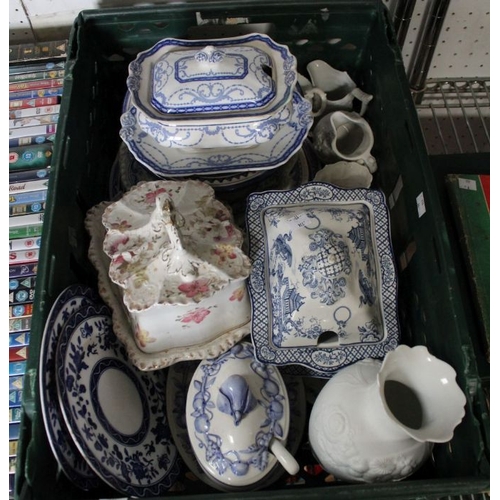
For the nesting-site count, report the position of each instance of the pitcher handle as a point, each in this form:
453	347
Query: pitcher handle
363	97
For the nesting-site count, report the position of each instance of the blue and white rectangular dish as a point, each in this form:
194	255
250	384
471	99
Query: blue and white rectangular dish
323	284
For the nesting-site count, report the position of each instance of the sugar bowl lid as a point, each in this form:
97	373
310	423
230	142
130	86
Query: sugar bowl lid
237	416
212	79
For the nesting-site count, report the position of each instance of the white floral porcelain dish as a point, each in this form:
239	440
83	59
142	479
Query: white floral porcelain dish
237	417
71	461
219	79
179	377
116	413
112	296
163	161
323	283
176	256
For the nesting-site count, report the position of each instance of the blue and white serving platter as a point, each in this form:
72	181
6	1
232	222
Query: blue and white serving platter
178	380
69	458
323	283
116	413
171	161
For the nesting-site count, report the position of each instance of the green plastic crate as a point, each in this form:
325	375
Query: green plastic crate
355	36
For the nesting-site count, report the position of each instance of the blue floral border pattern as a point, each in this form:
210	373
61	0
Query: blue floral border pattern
145	464
164	161
322	362
72	463
288	60
239	462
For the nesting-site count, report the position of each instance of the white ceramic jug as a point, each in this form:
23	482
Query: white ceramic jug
344	135
377	421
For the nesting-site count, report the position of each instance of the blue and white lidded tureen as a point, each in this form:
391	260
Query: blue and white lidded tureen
237	416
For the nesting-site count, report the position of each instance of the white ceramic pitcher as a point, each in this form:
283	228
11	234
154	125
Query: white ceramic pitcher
344	135
377	421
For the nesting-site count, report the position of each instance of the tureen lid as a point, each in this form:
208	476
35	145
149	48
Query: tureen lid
171	242
237	409
221	80
212	79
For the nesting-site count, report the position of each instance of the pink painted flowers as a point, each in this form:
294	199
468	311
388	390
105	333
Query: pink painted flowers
195	289
197	316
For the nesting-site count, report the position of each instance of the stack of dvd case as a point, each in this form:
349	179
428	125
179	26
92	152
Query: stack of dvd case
36	73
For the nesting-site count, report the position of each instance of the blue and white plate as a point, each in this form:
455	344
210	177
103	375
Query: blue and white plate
171	162
116	413
323	282
71	461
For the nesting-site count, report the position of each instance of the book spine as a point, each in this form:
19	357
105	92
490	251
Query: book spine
32	140
25	220
26	208
20	324
28	112
29	175
16	368
16	133
29	197
38	50
37	75
32	121
36	84
33	94
25	187
24	256
34	103
22	270
25	231
30	157
35	67
19	339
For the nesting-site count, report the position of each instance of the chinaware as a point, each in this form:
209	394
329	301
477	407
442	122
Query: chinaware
237	417
410	401
116	413
216	81
248	133
176	256
69	458
122	327
179	377
344	135
334	89
323	282
163	161
290	175
345	174
132	172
